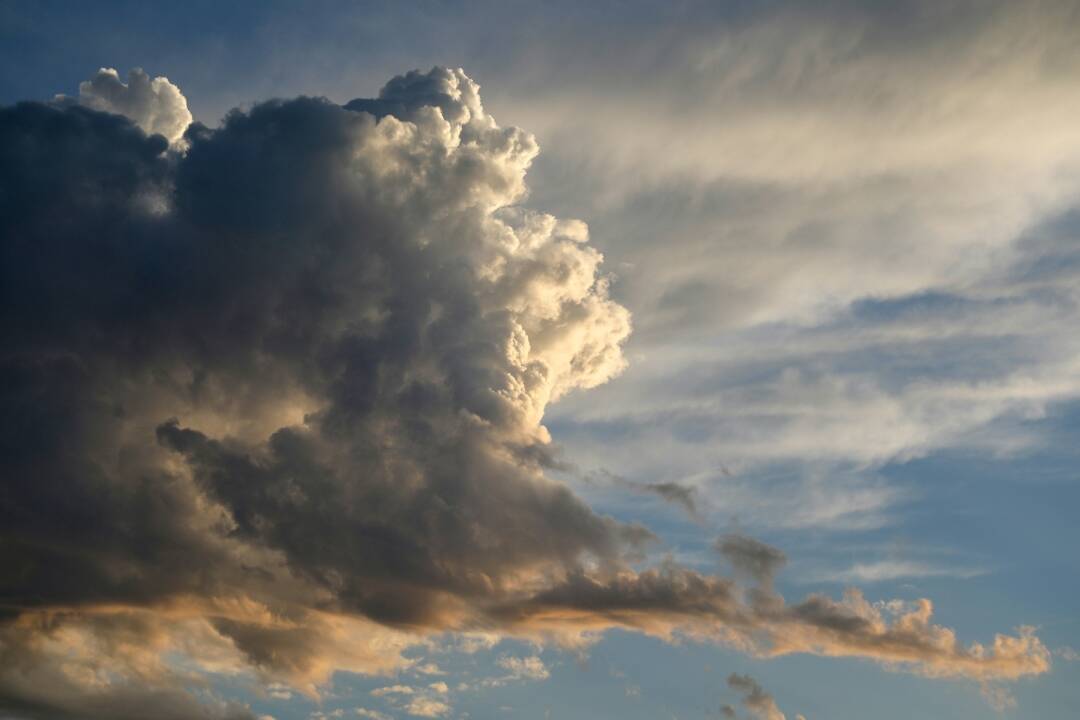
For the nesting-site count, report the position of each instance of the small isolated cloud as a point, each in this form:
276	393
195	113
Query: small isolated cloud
755	699
393	690
372	714
684	496
524	668
429	669
518	669
426	707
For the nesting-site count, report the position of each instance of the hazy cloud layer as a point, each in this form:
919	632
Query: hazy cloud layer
848	240
273	402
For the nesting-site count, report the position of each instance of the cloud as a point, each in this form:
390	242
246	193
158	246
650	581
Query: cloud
419	701
429	669
524	668
109	666
672	601
682	496
427	707
287	418
393	690
758	703
752	557
821	240
885	570
157	106
372	714
518	669
672	492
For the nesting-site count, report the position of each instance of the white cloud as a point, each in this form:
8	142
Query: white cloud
885	570
372	714
427	707
429	669
393	690
807	162
524	668
156	106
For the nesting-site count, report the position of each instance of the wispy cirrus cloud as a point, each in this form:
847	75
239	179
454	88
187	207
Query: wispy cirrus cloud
884	570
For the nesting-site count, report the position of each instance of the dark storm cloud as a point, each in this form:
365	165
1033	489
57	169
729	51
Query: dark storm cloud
278	262
271	399
299	361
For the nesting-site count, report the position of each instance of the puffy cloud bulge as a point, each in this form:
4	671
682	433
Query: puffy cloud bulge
157	106
272	403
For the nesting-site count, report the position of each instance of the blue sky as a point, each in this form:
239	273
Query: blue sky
846	236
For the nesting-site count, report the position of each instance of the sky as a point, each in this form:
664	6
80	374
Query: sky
539	360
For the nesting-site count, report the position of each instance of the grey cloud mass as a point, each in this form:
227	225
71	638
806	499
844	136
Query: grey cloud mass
304	361
759	703
272	401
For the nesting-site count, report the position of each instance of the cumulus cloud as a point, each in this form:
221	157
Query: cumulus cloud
427	701
426	707
429	669
289	420
531	668
157	106
372	714
518	669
